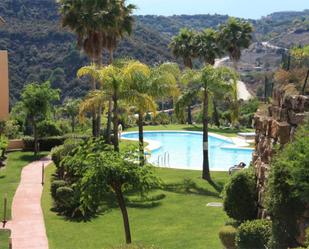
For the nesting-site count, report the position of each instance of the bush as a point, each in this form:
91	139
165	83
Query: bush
227	235
11	129
60	152
288	189
161	119
253	234
47	143
3	147
65	199
54	187
48	128
240	196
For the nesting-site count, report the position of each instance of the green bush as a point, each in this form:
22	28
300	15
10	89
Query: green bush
54	187
65	199
227	235
254	234
47	143
162	119
240	196
288	189
11	129
48	128
4	142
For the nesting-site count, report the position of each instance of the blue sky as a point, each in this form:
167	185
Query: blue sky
239	8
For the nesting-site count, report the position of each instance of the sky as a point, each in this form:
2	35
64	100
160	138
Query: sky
239	8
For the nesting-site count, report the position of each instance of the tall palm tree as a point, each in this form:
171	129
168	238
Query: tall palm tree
234	36
143	86
206	46
182	46
124	25
207	84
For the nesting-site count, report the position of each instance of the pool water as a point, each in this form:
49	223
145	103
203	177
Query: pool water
184	150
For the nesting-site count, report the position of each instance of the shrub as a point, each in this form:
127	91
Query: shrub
65	199
3	147
240	196
288	189
11	129
48	128
54	187
227	235
47	143
253	234
161	119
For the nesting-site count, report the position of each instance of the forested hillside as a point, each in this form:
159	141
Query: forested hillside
40	49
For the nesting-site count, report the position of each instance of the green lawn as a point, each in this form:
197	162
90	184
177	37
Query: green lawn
229	132
9	180
180	220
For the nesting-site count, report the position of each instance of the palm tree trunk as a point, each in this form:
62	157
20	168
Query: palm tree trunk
110	105
141	139
206	172
115	123
125	217
189	114
109	121
94	124
98	121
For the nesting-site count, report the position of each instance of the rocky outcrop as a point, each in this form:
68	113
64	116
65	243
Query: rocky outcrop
275	126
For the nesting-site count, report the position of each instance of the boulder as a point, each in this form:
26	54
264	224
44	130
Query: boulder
284	129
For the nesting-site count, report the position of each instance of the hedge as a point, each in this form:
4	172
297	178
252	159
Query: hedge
47	143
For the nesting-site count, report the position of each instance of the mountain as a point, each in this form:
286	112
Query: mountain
40	49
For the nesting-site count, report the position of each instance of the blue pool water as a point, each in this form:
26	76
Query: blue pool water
184	150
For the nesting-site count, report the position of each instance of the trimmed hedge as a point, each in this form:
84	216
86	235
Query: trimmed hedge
240	196
227	235
254	234
47	143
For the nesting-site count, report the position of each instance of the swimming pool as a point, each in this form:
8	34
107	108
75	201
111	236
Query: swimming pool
183	150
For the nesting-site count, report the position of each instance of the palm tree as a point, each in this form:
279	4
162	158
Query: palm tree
182	46
94	73
234	36
112	78
206	46
143	86
124	26
93	103
207	84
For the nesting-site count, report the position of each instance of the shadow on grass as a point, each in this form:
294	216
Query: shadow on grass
110	203
188	186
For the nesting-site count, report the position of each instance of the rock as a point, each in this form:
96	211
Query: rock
295	118
284	129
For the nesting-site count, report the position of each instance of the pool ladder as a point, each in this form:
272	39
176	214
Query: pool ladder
164	160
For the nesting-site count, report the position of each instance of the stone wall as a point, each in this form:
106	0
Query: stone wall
275	125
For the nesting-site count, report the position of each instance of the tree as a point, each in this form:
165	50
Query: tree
71	109
206	46
234	36
94	73
98	170
182	46
37	102
208	83
143	86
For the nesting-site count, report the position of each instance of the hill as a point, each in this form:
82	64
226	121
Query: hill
40	49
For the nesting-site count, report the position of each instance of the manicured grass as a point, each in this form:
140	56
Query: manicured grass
228	132
180	220
4	239
9	180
